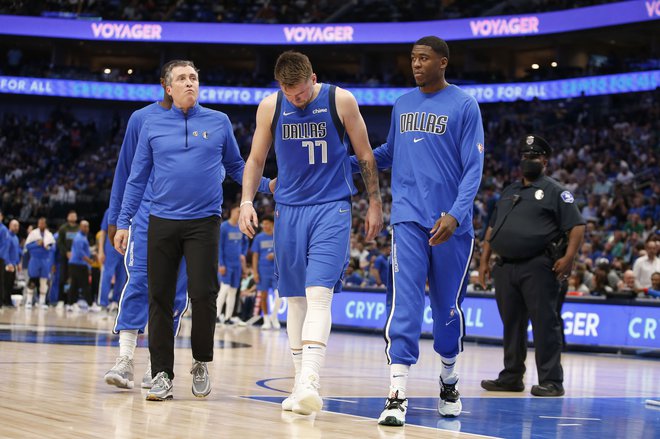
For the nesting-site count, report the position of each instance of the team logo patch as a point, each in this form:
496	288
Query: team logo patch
452	313
205	134
480	147
195	133
539	194
529	140
567	197
277	213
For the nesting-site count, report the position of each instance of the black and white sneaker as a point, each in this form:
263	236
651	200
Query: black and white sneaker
449	404
394	413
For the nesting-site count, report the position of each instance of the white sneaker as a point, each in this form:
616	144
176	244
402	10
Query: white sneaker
69	308
146	378
394	413
275	321
113	307
95	308
267	324
236	320
28	305
449	403
307	399
287	404
60	305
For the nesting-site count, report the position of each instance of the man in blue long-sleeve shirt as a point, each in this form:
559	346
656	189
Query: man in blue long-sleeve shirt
4	243
133	309
12	259
187	149
435	149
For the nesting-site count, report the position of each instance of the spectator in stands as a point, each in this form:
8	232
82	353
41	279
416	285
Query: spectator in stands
646	265
66	234
352	277
628	284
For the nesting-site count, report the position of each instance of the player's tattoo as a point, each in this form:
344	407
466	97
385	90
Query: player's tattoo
370	176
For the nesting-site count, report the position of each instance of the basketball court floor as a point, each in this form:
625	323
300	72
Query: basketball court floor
51	386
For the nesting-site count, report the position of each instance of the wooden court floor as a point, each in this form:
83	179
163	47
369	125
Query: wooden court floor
51	386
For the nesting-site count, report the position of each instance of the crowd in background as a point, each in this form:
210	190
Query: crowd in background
606	151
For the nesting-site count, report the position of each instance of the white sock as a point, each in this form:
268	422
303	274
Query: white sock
398	380
127	343
43	290
447	373
222	296
276	304
313	357
231	301
297	309
30	295
296	356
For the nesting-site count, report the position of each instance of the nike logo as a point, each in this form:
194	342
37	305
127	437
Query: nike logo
449	322
289	113
343	210
418	139
397	376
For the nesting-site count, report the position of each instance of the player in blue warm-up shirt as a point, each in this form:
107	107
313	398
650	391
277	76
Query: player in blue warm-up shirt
133	309
263	267
435	149
231	260
187	149
112	266
79	266
12	259
39	245
307	122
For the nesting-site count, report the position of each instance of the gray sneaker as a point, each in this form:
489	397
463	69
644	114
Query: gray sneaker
146	378
201	385
161	388
121	374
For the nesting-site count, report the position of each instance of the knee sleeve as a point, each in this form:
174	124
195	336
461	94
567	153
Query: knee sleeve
43	285
297	309
318	320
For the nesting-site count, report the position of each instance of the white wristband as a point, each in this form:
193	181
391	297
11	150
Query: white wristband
245	202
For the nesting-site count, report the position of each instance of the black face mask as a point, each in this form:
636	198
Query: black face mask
531	169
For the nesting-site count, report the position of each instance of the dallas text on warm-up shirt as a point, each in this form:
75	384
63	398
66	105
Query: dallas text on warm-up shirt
435	148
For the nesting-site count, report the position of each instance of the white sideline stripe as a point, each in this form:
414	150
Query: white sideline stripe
571	418
568	425
341	400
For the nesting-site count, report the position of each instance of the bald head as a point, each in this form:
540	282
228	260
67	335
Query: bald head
14	226
84	227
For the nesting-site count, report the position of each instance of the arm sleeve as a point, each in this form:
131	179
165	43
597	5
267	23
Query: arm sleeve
123	169
137	181
234	163
472	158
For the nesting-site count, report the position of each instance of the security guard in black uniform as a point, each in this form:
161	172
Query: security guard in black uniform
535	231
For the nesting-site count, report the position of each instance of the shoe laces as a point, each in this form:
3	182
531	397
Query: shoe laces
199	371
448	392
123	364
161	380
394	402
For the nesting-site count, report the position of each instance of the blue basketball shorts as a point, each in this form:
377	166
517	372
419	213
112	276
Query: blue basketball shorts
134	301
39	267
311	246
232	276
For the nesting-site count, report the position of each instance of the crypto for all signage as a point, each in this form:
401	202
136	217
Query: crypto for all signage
485	93
591	324
524	25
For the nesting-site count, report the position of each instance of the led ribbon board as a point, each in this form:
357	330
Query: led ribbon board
521	25
484	93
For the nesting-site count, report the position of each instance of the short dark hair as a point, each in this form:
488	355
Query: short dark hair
167	78
268	218
293	68
438	45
